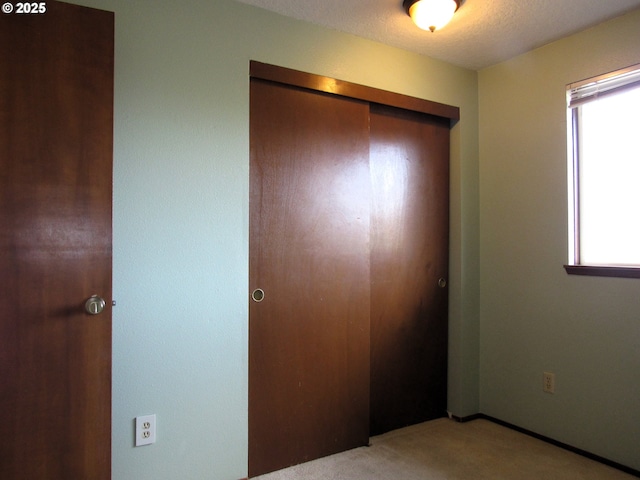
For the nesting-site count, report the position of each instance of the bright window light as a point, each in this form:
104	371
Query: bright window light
604	162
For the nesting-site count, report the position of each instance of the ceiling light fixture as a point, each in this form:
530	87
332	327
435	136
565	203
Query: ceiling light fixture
431	14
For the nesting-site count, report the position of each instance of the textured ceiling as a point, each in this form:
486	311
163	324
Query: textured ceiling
482	32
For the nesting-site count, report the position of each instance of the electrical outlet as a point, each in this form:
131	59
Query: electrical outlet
549	382
145	430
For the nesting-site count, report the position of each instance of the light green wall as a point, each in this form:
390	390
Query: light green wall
181	200
535	317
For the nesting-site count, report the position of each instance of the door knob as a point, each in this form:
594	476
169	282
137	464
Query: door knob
94	305
442	283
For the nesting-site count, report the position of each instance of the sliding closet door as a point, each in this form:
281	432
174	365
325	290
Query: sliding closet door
409	264
309	275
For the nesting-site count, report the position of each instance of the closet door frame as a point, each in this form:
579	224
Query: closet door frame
319	83
292	78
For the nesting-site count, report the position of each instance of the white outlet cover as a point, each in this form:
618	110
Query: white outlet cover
549	382
145	430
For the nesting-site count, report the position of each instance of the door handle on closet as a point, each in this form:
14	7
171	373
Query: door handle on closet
257	295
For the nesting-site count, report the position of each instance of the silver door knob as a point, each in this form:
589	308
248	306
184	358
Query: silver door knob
442	283
94	305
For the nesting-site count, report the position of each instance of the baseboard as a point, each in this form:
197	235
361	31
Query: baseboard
468	418
579	451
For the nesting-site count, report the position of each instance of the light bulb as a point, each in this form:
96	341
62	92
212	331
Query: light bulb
432	14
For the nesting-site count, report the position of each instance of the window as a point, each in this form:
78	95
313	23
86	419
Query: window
604	181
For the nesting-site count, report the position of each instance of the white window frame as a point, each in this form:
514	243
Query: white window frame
578	94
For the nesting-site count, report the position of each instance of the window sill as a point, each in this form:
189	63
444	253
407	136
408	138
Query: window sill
623	272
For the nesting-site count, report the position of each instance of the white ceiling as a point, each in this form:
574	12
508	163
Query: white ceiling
482	32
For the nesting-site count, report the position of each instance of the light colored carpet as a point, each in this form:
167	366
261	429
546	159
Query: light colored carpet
445	449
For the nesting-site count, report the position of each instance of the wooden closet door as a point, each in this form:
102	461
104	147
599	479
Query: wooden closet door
309	253
56	124
409	265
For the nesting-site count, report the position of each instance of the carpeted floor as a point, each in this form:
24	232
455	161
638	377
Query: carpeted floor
445	449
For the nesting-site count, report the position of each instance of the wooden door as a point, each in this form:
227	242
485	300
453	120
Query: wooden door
309	253
56	96
409	265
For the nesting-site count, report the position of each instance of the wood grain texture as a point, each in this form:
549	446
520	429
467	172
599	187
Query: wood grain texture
409	254
309	252
56	122
308	338
352	90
